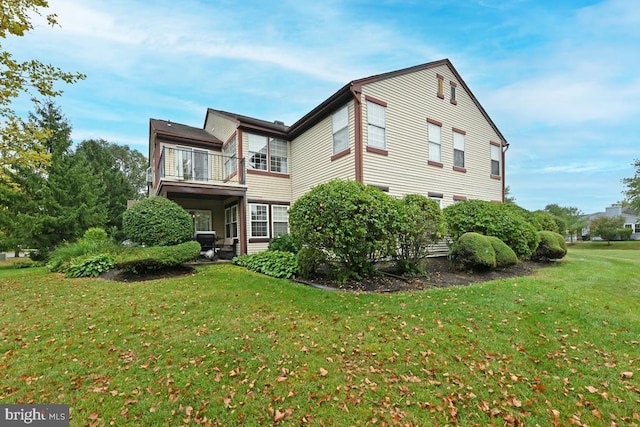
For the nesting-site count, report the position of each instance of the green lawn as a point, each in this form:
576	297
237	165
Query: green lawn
228	347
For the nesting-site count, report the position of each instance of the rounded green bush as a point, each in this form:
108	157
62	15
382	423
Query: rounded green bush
502	220
505	256
157	221
284	243
552	246
473	251
95	234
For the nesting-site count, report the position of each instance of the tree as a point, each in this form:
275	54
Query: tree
607	227
121	171
20	142
632	192
571	220
508	198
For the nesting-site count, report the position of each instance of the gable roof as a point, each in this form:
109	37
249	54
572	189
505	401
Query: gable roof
252	123
173	130
340	97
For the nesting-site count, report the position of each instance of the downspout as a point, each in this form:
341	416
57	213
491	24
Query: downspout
356	91
506	147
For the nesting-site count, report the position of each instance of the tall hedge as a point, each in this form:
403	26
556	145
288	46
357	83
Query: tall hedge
157	221
493	219
352	222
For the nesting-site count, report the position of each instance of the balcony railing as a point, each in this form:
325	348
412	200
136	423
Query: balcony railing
200	166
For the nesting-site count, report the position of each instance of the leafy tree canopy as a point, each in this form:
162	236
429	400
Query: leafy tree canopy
21	142
632	192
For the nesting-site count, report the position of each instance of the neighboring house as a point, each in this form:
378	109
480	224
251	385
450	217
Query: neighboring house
631	220
416	130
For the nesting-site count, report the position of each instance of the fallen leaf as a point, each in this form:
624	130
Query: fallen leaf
323	372
626	374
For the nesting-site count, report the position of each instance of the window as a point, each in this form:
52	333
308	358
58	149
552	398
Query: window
191	164
258	149
280	220
377	125
458	149
262	148
628	226
278	153
201	220
440	86
495	159
340	124
230	157
231	222
259	220
453	93
434	143
637	228
436	199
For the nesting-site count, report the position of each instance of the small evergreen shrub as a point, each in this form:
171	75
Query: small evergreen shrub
505	256
280	264
309	260
552	246
90	266
139	260
95	234
284	243
473	251
157	221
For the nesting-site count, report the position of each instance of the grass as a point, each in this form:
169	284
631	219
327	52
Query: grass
229	347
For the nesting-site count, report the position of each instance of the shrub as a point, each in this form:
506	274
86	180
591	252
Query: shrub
505	256
421	224
546	221
90	266
552	246
278	264
157	221
504	221
473	251
63	256
309	260
95	234
352	222
139	260
284	243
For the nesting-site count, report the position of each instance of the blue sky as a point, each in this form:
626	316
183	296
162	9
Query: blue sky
561	79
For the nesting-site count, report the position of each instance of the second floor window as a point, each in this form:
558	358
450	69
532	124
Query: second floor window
268	154
458	149
230	157
495	160
435	154
377	125
191	164
340	125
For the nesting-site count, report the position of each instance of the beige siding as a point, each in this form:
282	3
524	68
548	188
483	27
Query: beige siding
220	126
411	99
311	153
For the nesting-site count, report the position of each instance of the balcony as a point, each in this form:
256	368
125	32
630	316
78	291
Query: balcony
199	166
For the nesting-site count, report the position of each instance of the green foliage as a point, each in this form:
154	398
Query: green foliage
420	224
632	190
90	266
280	264
504	221
309	260
545	221
66	255
352	222
284	243
552	246
473	251
608	228
139	260
505	256
95	234
570	219
157	221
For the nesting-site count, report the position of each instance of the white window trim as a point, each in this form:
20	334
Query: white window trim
206	213
372	106
458	145
178	160
230	158
273	221
495	152
339	124
233	214
268	211
433	142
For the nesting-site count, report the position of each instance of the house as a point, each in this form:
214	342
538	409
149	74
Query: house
415	130
631	220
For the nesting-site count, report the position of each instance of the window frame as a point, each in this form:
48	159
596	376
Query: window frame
270	158
273	220
375	125
191	152
265	221
440	89
496	149
432	160
231	220
252	139
337	120
230	162
452	96
196	213
459	146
